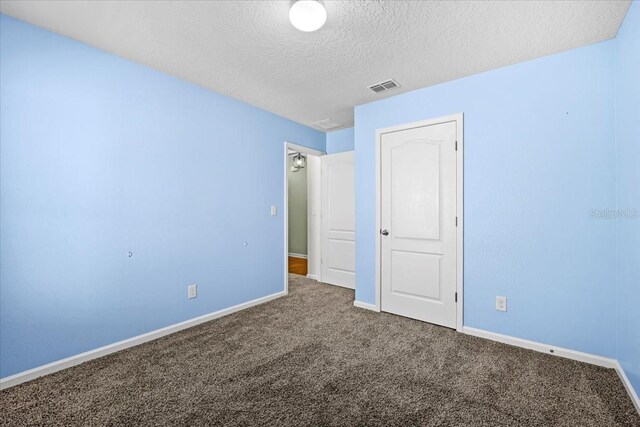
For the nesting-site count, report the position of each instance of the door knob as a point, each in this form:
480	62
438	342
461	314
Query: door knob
384	232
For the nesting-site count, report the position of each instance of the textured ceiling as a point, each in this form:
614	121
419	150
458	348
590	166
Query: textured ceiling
250	51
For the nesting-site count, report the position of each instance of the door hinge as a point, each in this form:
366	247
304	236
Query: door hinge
456	145
456	297
456	221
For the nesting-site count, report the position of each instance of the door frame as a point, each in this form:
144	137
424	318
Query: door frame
285	205
458	118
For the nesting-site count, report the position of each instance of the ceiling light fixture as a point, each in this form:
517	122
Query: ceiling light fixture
299	161
308	15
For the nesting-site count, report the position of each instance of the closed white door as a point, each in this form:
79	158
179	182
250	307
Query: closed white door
418	223
338	220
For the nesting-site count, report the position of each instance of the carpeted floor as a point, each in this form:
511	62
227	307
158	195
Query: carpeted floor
311	358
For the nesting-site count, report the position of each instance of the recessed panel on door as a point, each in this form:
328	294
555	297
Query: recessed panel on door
416	275
416	190
341	192
340	255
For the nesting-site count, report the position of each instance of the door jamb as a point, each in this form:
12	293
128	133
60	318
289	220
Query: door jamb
285	205
458	118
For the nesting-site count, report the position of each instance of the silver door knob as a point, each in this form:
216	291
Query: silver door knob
384	232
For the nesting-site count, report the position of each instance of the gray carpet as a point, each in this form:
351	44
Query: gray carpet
311	358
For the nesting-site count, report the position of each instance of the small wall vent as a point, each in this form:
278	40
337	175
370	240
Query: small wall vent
384	86
326	124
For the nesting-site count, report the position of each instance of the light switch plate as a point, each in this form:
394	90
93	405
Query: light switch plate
274	210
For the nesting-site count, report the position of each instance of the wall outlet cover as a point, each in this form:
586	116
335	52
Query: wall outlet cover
501	303
192	291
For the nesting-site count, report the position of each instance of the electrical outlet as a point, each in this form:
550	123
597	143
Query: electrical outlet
192	291
274	210
501	303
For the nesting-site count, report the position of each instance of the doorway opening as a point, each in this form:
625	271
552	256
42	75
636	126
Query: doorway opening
319	215
298	165
302	212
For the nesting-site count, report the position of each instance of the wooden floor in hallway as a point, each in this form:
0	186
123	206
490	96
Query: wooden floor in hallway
298	266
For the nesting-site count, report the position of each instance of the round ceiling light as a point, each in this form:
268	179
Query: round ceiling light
308	15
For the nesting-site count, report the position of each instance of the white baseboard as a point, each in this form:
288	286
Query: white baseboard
366	306
543	348
58	365
312	276
293	255
561	352
627	385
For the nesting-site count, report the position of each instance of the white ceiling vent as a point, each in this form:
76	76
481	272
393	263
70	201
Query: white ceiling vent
384	86
326	124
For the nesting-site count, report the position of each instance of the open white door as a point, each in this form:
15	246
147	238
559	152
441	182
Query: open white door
338	220
418	222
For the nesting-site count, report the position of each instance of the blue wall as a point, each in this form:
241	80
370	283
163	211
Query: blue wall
628	193
538	156
100	156
340	140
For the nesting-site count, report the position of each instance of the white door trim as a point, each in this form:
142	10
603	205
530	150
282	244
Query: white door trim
458	118
285	205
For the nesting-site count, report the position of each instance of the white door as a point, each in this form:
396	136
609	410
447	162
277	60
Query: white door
418	223
338	220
